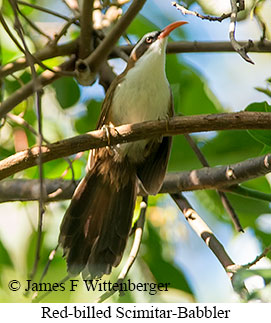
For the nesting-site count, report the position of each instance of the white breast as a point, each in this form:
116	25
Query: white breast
143	95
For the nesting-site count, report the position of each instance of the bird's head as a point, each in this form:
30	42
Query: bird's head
154	42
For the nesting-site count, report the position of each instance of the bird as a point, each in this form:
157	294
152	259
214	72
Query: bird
97	223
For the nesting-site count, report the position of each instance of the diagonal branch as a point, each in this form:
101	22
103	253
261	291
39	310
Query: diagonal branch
133	132
224	199
44	53
25	91
204	232
46	10
107	45
94	60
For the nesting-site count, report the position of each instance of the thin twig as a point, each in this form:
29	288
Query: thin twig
258	258
42	54
8	31
104	49
23	93
225	201
242	50
50	259
36	299
38	94
53	195
63	31
134	250
34	26
50	12
203	231
250	193
185	11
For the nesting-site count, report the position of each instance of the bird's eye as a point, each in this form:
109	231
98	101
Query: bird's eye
149	40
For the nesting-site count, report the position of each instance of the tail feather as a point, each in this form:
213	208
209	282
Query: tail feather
97	223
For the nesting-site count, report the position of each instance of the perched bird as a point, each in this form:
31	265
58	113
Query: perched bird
96	225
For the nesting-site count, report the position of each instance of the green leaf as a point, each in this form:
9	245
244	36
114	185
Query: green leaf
229	147
89	120
140	26
191	93
67	91
263	136
162	269
265	91
5	259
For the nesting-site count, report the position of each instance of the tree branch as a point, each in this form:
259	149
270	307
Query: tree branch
25	91
172	48
133	132
242	50
204	232
46	10
185	11
47	52
198	179
94	60
108	43
85	45
224	199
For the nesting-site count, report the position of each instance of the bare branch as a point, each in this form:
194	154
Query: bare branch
203	231
24	92
258	258
133	132
185	11
37	91
85	45
198	179
107	45
94	60
8	31
172	48
242	50
50	12
225	201
47	52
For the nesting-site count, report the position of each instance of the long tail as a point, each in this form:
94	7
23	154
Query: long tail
97	223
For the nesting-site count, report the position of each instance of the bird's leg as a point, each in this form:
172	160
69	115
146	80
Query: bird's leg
107	133
166	118
167	122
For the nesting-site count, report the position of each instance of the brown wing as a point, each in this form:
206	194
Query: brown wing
103	119
109	96
152	171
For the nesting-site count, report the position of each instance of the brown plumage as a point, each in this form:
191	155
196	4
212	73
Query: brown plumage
96	226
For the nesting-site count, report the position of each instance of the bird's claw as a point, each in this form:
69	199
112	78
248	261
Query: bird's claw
107	134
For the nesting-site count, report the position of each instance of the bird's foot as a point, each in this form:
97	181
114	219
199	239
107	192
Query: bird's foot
107	129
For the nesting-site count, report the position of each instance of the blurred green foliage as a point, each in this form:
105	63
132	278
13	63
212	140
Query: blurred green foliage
68	113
